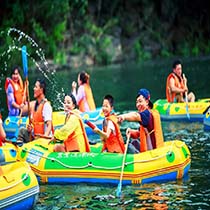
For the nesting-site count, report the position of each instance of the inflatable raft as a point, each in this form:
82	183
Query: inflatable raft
19	187
170	162
12	124
8	153
179	111
206	120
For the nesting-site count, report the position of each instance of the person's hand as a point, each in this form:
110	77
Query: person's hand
21	106
120	118
52	140
27	83
128	132
74	85
96	129
29	127
185	89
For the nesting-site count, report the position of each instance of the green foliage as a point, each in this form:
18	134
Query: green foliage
88	27
140	53
60	58
76	48
39	31
106	50
165	53
195	50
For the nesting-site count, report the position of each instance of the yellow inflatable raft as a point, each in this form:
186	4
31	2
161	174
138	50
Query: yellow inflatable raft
193	111
170	162
18	186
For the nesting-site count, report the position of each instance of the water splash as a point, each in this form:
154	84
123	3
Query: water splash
36	56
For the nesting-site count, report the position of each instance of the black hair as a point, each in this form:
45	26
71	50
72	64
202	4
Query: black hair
13	70
175	63
42	84
73	99
84	77
110	99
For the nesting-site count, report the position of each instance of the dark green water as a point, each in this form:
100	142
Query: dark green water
123	82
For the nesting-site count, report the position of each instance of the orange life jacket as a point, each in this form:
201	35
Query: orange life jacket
18	89
114	143
37	118
157	132
170	96
71	144
89	98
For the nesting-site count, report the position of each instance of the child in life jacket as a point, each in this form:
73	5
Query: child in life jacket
150	132
110	135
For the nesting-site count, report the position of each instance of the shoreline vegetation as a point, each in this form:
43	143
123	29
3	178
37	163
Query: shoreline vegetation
86	33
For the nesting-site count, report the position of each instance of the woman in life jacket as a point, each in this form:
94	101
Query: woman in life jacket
110	135
176	85
83	95
72	134
150	131
15	92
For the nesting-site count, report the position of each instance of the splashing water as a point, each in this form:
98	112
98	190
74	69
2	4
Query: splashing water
35	55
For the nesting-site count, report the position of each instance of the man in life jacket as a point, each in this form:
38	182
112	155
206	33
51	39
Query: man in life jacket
110	135
176	85
15	92
40	112
83	95
150	132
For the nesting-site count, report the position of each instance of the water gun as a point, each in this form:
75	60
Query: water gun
90	124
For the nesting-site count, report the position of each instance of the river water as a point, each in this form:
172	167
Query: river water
123	82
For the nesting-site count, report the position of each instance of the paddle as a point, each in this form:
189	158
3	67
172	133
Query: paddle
186	98
119	187
25	70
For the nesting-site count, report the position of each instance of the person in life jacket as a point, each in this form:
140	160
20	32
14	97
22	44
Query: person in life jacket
2	132
15	92
176	85
150	132
72	133
110	135
40	111
83	95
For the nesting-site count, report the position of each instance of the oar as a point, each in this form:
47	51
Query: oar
25	70
119	187
186	98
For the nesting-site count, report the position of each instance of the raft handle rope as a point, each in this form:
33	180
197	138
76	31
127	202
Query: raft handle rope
18	182
90	164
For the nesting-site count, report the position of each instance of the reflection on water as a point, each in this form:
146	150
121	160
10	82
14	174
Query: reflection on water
190	193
